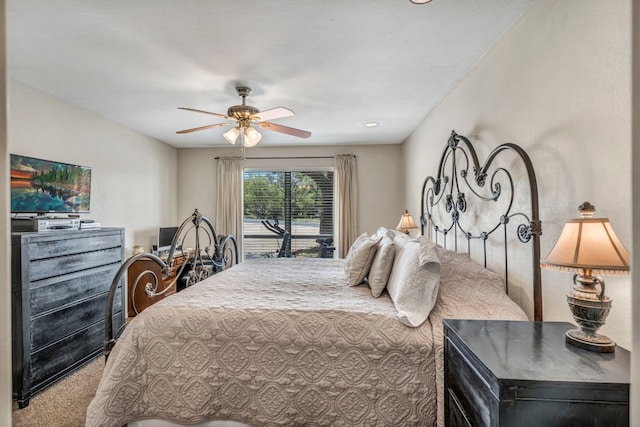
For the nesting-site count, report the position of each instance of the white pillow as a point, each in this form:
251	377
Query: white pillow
381	266
383	231
429	251
400	239
413	284
359	258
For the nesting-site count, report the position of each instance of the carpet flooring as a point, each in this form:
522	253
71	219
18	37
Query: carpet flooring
65	403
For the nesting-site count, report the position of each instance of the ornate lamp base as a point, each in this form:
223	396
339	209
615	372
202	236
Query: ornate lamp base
589	307
596	342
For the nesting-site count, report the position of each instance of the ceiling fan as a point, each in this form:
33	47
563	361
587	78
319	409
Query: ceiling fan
244	116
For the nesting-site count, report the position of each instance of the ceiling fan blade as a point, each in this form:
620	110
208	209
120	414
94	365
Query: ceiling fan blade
285	129
205	112
273	113
217	125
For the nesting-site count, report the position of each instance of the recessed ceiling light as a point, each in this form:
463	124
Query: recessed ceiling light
371	124
420	1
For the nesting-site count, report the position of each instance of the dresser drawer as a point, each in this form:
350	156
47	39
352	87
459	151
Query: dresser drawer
52	293
78	243
57	324
58	266
51	362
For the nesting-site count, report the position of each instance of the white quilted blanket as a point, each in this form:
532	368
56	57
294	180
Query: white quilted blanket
274	342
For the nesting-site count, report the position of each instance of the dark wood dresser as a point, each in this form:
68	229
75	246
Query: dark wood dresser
510	373
59	285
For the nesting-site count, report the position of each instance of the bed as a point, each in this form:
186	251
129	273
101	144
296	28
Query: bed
291	341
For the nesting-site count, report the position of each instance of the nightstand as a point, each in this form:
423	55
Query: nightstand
513	373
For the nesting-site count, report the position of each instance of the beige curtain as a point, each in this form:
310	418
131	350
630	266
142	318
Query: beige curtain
346	202
229	191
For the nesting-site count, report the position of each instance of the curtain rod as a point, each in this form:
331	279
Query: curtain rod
292	157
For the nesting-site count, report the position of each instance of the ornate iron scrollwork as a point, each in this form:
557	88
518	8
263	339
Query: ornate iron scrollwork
461	204
458	158
481	178
453	140
527	231
524	233
449	203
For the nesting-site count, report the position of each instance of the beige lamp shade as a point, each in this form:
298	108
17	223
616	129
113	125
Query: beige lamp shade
406	223
588	244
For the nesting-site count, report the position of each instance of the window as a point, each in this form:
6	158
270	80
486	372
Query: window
298	202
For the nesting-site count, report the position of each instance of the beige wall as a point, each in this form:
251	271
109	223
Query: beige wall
134	177
380	185
557	84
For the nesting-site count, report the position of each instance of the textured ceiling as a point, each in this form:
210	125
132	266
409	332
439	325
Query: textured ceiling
338	64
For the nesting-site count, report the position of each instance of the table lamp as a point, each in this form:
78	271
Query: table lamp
406	223
588	247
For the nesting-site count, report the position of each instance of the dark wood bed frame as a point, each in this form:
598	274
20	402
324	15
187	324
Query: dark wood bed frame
211	253
461	192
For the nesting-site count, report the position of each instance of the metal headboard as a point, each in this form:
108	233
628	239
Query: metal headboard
212	253
448	191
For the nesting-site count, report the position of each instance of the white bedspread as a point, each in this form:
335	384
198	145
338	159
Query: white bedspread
281	342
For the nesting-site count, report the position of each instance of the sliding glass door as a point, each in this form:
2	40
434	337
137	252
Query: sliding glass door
297	203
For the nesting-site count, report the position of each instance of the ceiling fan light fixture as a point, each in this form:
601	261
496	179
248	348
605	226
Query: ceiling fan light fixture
244	115
251	137
232	135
